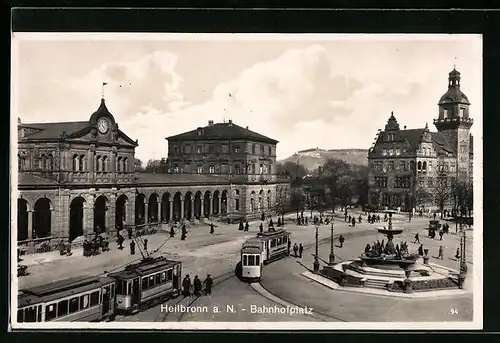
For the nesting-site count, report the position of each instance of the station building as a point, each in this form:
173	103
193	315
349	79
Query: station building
77	178
406	162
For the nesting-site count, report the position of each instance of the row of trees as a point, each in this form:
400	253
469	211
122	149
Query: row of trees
152	166
335	184
459	194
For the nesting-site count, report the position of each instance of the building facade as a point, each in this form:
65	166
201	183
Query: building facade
408	167
77	178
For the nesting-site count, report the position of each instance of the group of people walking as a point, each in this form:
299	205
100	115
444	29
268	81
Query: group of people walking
95	246
197	286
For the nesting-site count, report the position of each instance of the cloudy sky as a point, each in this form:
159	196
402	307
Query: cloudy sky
325	91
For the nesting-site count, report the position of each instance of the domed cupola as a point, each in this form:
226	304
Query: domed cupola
454	95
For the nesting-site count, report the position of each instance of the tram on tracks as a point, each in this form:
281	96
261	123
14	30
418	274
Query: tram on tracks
93	299
146	283
263	249
88	299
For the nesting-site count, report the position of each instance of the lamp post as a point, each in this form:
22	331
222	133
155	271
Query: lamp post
463	259
316	259
332	255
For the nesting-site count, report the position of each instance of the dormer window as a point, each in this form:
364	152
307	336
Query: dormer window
384	152
391	152
398	152
390	137
200	132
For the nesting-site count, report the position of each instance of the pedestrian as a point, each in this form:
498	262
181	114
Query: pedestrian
86	248
261	228
262	217
440	253
421	250
341	241
186	286
441	235
62	251
106	244
367	248
67	247
457	255
172	232
434	215
145	244
369	218
208	285
417	238
359	219
212	228
295	249
240	226
120	242
279	222
378	218
301	250
307	222
289	245
350	219
247	226
197	286
132	248
385	217
353	222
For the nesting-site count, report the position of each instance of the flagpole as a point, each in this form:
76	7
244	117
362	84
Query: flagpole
102	92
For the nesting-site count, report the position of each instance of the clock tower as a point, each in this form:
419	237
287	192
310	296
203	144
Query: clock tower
454	122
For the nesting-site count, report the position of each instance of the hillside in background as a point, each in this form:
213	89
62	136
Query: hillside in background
314	158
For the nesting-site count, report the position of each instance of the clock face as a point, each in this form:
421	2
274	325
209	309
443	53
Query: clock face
102	125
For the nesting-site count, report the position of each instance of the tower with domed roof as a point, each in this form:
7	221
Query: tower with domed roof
454	123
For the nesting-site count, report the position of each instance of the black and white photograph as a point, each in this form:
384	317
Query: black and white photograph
246	181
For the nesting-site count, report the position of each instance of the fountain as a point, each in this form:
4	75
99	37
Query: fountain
388	256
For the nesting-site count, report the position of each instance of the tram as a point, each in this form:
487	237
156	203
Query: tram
93	299
263	249
86	299
145	283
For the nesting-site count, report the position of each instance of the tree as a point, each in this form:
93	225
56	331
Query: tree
422	197
463	197
156	166
297	199
338	177
442	193
138	165
295	170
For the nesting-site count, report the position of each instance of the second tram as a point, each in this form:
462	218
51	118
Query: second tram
263	249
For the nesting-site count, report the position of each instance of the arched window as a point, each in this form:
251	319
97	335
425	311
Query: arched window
51	162
119	167
105	164
75	163
81	163
424	166
252	205
419	165
125	164
99	163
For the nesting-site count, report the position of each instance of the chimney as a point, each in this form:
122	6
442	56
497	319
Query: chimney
247	127
230	122
18	121
404	127
210	123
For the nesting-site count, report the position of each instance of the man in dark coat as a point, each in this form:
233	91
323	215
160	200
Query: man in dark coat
353	221
417	238
186	286
197	286
132	248
295	249
341	241
208	285
301	250
212	228
145	244
247	226
359	219
240	227
421	250
261	228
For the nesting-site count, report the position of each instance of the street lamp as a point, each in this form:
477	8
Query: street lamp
316	259
463	259
332	255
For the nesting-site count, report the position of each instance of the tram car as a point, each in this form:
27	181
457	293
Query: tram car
85	299
263	249
145	283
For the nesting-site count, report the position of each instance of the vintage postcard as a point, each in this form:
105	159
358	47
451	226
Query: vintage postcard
214	181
